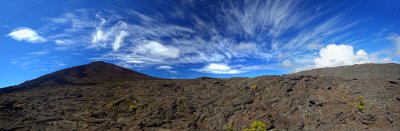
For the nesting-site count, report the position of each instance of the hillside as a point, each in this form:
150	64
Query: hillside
290	102
362	71
93	73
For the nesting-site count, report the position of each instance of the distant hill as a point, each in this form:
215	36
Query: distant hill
362	71
92	73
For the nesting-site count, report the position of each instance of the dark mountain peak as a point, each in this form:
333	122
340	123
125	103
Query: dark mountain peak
93	73
358	71
100	63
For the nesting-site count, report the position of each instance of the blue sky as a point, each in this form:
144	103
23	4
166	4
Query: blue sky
189	38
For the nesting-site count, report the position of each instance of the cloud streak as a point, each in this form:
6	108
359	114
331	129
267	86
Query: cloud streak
395	38
167	68
119	40
218	68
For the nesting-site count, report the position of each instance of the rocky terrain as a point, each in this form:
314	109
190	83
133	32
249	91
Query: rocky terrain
134	101
363	71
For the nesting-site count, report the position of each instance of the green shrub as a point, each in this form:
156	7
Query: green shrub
132	107
253	87
361	99
257	126
229	127
361	106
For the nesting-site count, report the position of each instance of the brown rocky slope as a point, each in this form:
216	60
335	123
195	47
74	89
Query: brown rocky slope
363	71
290	102
89	74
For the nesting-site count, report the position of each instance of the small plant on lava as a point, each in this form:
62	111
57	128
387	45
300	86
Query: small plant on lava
132	107
229	127
361	106
257	126
253	87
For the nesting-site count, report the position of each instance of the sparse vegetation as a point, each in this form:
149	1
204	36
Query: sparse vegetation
109	105
135	104
253	87
257	126
229	127
132	107
361	106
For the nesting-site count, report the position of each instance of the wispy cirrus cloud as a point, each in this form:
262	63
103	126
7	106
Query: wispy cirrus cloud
39	61
167	68
395	38
284	33
40	52
119	40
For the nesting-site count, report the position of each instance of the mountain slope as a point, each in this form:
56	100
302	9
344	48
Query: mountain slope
92	73
362	71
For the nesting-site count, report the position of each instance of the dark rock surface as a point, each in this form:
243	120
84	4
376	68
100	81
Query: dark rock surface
281	102
363	71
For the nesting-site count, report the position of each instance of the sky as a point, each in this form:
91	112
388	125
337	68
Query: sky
180	39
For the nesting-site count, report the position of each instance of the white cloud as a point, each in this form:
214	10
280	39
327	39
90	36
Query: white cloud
173	71
249	17
145	53
338	55
36	61
119	39
63	42
164	67
41	52
395	38
103	35
334	55
167	68
287	63
156	49
139	15
99	36
246	47
26	34
314	46
218	68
